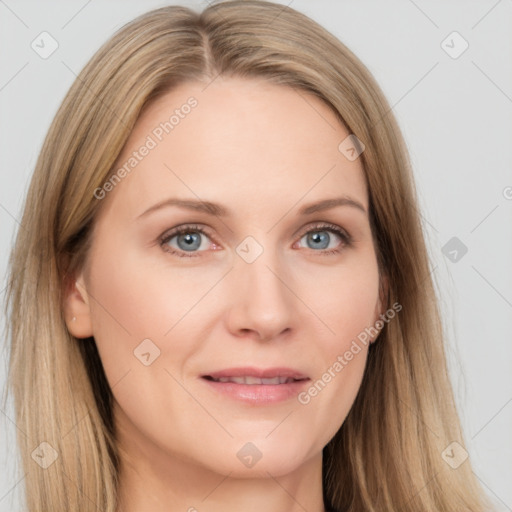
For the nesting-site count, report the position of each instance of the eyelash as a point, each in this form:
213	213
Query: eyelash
193	228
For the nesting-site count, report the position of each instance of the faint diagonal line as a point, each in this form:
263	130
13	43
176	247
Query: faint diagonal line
428	222
13	487
280	12
217	486
198	301
502	296
14	423
10	215
485	15
279	424
415	414
286	491
94	94
414	86
119	380
210	82
80	491
492	81
304	98
416	494
108	312
424	14
406	93
200	199
484	218
301	198
412	205
200	404
216	11
492	419
301	300
482	482
76	14
3	3
11	79
76	424
429	274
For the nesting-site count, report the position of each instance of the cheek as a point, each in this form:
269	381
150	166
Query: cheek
125	308
344	299
137	299
348	311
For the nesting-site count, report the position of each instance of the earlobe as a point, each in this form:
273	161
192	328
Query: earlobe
77	311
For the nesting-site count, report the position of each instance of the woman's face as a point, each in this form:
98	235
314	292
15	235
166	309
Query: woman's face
253	286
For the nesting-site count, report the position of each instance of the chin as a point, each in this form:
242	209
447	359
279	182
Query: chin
259	458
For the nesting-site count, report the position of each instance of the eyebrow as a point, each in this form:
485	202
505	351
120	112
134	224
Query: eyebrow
216	209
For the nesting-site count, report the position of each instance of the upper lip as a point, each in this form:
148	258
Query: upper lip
262	373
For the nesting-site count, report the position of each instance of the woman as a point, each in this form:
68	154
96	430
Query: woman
182	340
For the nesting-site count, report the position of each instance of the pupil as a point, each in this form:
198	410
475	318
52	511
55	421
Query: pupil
319	237
189	240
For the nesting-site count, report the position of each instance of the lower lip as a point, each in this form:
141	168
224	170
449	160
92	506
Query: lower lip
258	393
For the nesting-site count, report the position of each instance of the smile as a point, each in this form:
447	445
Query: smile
256	386
250	380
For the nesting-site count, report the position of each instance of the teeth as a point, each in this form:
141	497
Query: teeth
273	380
255	380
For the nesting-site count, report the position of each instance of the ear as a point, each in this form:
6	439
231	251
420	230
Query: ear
382	303
77	312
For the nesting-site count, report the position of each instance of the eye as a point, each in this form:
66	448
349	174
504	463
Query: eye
188	239
319	239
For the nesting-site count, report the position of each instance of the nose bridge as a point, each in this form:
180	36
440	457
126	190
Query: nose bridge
259	265
264	301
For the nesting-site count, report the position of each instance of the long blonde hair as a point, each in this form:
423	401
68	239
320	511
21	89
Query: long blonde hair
387	455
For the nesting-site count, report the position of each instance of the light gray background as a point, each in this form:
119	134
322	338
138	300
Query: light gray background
456	117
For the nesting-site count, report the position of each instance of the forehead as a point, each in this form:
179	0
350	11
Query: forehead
240	142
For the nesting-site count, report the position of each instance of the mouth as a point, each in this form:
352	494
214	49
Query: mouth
256	386
251	380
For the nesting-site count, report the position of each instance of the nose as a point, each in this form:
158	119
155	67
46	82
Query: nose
263	303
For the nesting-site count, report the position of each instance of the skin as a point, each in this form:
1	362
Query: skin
263	151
